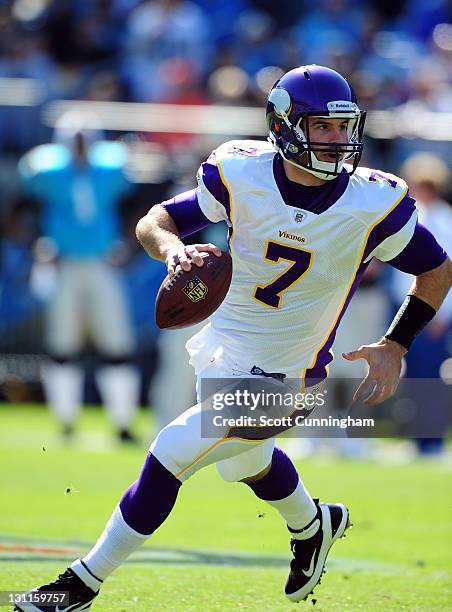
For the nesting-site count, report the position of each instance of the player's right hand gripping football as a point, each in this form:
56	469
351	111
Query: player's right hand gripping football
185	255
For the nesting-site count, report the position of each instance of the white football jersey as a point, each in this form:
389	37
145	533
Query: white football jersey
294	271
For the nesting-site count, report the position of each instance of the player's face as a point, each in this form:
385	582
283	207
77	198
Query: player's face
324	129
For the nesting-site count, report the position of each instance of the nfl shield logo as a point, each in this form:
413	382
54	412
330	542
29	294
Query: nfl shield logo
195	289
299	216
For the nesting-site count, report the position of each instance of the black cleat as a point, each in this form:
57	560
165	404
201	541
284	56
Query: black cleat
80	595
310	553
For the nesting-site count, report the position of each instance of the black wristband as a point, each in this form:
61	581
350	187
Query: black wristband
412	317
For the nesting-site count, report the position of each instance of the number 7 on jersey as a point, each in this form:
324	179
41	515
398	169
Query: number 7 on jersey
300	260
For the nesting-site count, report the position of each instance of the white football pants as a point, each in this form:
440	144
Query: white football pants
181	446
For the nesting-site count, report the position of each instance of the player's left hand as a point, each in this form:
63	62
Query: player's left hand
385	363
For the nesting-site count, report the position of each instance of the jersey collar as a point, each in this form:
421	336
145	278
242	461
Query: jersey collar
314	199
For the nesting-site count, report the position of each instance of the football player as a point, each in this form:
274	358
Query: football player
79	180
304	222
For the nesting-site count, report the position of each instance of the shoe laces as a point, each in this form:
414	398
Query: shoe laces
68	580
64	578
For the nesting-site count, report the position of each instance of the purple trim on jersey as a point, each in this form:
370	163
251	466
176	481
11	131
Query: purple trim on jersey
281	480
212	180
324	357
186	213
391	224
421	254
316	199
150	499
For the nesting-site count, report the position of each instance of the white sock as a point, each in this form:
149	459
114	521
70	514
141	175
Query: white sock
116	543
63	385
298	509
119	387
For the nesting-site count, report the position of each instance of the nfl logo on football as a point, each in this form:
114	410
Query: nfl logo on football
195	290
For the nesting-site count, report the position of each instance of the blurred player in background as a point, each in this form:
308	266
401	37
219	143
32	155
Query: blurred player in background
305	221
79	181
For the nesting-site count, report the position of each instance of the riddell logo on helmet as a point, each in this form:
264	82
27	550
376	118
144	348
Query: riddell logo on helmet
341	105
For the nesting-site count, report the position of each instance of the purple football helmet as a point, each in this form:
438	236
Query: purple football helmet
314	91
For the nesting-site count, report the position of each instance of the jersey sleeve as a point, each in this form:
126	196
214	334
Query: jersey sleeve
422	253
186	213
213	195
394	232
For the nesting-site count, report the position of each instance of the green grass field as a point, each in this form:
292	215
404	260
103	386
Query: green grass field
221	548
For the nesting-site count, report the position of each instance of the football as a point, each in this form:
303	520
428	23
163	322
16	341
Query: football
190	297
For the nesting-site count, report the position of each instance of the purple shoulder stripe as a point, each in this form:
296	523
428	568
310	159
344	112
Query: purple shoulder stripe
391	224
186	213
421	254
212	180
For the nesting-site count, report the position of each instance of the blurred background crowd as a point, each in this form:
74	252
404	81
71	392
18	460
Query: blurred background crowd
81	160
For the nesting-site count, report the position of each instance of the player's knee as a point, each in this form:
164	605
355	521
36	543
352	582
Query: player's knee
245	465
234	473
258	476
227	472
174	448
